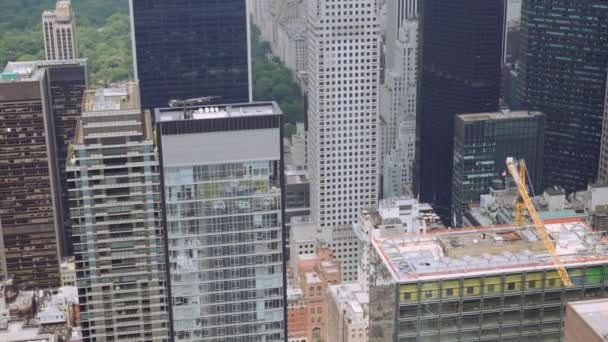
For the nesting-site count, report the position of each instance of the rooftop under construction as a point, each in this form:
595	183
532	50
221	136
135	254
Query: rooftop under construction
487	250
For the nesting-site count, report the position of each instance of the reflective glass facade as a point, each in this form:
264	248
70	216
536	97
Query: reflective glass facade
225	250
224	217
564	51
482	143
460	61
190	48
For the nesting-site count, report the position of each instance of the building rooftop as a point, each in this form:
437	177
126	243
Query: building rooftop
498	115
31	71
217	111
16	332
312	278
124	96
475	251
594	313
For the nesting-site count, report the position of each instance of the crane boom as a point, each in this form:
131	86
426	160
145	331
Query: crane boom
540	227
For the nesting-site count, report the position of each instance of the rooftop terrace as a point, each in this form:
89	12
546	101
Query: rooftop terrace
493	250
120	97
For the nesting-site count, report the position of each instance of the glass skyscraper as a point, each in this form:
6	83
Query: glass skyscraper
482	143
460	61
564	54
222	180
190	49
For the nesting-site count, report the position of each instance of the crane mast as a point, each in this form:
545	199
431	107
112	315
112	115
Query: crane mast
540	227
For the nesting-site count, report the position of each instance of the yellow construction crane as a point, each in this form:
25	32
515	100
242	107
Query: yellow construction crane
520	206
540	227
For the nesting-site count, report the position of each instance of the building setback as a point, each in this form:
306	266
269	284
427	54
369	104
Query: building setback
562	70
29	210
191	49
460	72
114	190
223	185
495	284
482	143
59	28
343	81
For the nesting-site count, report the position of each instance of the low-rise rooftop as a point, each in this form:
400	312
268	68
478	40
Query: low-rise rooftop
475	251
594	313
32	71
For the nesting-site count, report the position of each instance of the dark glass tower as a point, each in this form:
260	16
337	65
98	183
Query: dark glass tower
460	60
482	143
563	74
190	48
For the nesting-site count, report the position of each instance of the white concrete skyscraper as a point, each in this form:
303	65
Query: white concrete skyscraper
343	70
59	27
398	96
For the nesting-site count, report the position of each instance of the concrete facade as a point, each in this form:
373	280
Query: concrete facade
344	75
59	28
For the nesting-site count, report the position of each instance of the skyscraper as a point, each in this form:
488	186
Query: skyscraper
223	185
30	211
461	49
602	174
343	71
563	74
65	86
115	208
59	28
398	97
482	143
191	49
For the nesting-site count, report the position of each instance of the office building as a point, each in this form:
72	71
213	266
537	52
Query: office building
296	313
460	72
398	95
562	73
344	74
223	184
348	313
59	28
586	321
342	241
29	199
193	49
602	173
497	284
114	186
67	81
482	143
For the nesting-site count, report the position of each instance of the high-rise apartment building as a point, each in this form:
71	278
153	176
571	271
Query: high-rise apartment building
602	173
562	71
191	49
223	184
343	81
65	86
114	187
398	97
29	200
495	284
460	72
59	28
482	143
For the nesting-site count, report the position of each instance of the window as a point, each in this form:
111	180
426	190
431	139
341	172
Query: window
470	290
511	286
532	284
